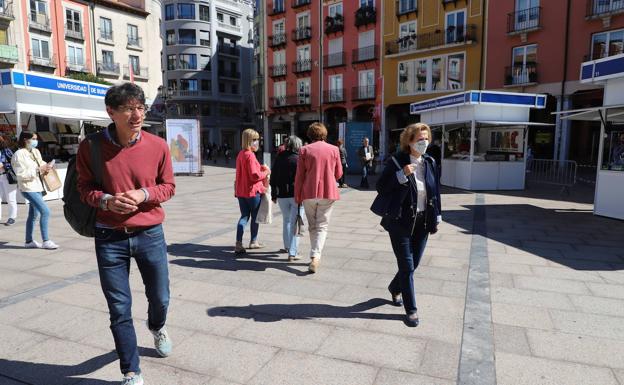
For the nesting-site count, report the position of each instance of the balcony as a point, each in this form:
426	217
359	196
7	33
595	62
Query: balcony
604	8
524	20
8	54
363	93
334	24
135	43
74	34
138	72
521	75
405	7
6	11
108	69
229	74
303	100
364	54
432	40
229	27
334	96
41	61
302	66
301	34
276	8
77	66
106	37
189	93
300	3
335	60
365	16
228	49
277	40
40	22
276	71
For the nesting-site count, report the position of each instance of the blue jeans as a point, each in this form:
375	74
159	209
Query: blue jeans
290	209
114	249
37	208
408	251
249	208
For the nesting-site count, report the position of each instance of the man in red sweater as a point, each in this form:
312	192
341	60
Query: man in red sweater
137	176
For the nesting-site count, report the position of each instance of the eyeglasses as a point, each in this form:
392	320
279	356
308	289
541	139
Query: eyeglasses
129	109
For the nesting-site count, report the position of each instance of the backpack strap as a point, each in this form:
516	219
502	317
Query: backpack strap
96	157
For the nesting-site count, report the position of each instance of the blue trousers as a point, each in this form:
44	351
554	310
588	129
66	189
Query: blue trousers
36	208
290	209
114	250
249	209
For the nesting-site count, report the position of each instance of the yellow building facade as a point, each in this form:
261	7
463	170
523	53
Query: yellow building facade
430	48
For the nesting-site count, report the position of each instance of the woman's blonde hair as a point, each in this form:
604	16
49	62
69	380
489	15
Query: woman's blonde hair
317	131
410	132
249	135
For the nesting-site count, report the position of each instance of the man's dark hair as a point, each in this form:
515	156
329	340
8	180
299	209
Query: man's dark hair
117	96
24	136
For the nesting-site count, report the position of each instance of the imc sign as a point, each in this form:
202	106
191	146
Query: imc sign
355	132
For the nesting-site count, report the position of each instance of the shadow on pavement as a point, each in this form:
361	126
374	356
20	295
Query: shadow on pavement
223	258
49	374
573	238
6	246
305	311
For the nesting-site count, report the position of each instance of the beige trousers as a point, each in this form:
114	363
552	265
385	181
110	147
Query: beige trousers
318	212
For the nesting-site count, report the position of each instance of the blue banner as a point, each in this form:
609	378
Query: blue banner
355	132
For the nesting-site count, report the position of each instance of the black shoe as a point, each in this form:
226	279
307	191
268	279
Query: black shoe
396	298
411	320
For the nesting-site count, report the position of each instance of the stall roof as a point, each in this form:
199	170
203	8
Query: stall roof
501	123
614	113
493	98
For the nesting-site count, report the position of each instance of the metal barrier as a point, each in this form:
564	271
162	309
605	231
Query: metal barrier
555	172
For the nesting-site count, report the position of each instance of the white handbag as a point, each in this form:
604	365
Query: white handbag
265	212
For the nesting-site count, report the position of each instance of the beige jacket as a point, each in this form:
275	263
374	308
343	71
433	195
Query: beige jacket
27	169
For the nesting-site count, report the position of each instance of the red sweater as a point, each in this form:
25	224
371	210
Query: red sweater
146	164
249	175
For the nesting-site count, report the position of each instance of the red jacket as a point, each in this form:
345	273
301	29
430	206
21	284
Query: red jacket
318	169
249	175
146	164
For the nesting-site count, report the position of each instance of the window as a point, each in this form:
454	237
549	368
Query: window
455	26
279	93
279	63
303	91
133	35
303	20
172	84
186	11
188	84
607	44
437	73
613	153
169	12
205	109
186	36
204	13
204	38
303	58
523	68
335	88
204	62
222	88
366	84
206	85
108	59
278	6
434	74
171	62
406	6
4	38
39	11
40	48
220	16
455	72
335	9
106	28
75	55
72	21
188	61
235	89
366	44
233	21
604	6
170	37
134	63
335	52
229	109
407	36
527	14
367	3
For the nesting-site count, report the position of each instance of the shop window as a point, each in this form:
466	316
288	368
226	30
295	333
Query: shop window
613	153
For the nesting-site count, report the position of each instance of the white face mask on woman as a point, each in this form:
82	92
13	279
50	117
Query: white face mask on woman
420	146
255	144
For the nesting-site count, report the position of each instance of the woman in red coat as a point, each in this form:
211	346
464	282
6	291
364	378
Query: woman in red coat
250	185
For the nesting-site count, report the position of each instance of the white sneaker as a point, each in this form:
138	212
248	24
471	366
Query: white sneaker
49	245
32	245
135	379
162	341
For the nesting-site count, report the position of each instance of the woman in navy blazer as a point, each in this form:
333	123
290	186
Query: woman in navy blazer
409	196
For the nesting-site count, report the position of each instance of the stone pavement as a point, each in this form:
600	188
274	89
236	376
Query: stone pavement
545	301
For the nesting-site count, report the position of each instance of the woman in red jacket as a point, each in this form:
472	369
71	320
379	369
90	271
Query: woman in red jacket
250	185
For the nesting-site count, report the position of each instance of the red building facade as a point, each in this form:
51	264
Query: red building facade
308	81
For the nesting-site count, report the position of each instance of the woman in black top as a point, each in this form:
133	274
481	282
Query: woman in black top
283	192
343	160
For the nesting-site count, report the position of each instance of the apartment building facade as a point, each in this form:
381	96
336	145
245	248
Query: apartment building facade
208	63
430	48
538	46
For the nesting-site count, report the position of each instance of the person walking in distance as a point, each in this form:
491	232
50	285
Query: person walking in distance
318	170
249	186
367	156
137	177
8	186
343	161
283	192
410	185
30	170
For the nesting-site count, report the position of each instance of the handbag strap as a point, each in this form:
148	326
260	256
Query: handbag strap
96	157
396	162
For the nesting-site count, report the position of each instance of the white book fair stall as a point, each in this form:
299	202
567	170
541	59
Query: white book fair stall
55	108
610	179
484	137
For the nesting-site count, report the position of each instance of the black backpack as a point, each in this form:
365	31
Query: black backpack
79	215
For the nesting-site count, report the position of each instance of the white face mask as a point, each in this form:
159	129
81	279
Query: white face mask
420	146
255	144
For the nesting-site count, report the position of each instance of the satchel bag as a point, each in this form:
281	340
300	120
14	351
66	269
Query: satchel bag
52	181
265	212
11	177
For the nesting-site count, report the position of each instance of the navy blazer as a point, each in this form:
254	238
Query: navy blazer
395	194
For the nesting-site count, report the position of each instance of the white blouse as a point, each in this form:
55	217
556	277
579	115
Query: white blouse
419	175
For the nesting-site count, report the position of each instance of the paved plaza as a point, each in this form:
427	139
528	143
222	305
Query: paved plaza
514	289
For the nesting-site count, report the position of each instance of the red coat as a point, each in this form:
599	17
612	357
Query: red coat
249	175
318	169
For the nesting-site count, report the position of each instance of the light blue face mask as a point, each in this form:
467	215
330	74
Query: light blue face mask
34	143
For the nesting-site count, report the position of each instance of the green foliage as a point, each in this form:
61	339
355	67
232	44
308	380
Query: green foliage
88	78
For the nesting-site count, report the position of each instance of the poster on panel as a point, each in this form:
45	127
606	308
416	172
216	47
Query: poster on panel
183	137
